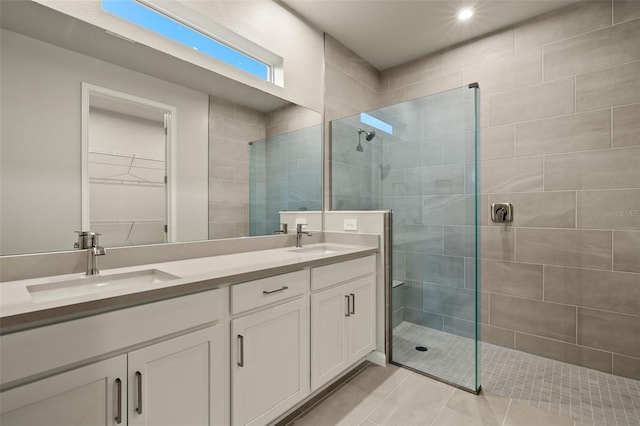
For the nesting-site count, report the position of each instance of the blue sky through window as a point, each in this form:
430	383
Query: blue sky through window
161	24
378	124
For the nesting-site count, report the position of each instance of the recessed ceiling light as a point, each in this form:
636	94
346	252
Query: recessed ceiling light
465	13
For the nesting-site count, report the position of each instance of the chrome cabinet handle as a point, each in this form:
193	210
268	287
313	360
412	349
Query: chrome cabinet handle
348	314
139	380
284	287
241	351
353	303
119	401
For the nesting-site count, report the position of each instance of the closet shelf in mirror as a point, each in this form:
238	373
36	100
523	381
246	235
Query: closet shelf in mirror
125	169
129	232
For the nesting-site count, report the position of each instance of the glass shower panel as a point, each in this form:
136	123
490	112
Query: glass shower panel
285	174
424	170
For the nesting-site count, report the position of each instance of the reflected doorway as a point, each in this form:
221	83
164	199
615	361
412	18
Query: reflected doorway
126	168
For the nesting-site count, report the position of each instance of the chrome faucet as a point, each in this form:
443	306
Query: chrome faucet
88	240
299	233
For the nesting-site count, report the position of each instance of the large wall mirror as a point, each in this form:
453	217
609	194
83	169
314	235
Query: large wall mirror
100	133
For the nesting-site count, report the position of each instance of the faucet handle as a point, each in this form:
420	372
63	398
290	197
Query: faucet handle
283	230
86	239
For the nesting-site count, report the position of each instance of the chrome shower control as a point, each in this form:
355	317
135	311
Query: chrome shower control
501	212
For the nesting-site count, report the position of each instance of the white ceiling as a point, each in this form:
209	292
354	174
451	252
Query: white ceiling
391	32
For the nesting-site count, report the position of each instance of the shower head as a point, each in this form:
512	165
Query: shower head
368	135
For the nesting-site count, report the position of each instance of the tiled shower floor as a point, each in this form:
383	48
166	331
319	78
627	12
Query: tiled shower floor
588	396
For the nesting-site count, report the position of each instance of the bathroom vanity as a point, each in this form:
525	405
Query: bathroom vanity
235	339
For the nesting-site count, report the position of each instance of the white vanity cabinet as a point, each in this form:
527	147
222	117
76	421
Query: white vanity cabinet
342	317
269	347
92	395
167	381
179	381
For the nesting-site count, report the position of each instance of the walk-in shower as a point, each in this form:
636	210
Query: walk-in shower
424	168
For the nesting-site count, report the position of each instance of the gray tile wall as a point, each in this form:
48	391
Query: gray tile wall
231	128
560	139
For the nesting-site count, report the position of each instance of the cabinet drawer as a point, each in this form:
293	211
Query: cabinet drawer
325	276
253	294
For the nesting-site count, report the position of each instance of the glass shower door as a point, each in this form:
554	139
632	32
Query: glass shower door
424	168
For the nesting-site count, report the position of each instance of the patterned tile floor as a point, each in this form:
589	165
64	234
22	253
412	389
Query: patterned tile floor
587	396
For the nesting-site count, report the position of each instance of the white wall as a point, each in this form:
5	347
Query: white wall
40	111
262	22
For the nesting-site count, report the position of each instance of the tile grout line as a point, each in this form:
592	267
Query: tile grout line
383	400
443	407
506	415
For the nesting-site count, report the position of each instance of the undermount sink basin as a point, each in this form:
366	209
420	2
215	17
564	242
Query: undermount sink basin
317	250
95	284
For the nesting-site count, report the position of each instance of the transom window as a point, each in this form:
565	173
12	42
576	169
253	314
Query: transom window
160	23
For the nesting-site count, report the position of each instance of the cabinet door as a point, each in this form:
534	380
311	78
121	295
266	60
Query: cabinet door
329	352
89	395
270	362
361	323
179	381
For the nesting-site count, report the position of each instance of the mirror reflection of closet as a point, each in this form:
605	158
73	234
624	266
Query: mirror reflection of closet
126	181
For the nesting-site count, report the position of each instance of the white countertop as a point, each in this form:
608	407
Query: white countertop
20	310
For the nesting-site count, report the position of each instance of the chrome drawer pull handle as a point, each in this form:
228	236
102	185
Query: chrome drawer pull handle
348	314
284	287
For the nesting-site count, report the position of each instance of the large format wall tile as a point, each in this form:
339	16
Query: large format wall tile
540	209
604	290
626	125
449	301
626	251
568	133
432	180
424	239
563	247
420	317
534	317
565	352
455	209
507	73
563	23
495	242
459	327
498	336
480	51
533	102
609	331
344	87
442	270
626	366
625	10
497	142
511	278
601	169
610	209
435	85
511	175
593	51
608	88
413	72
